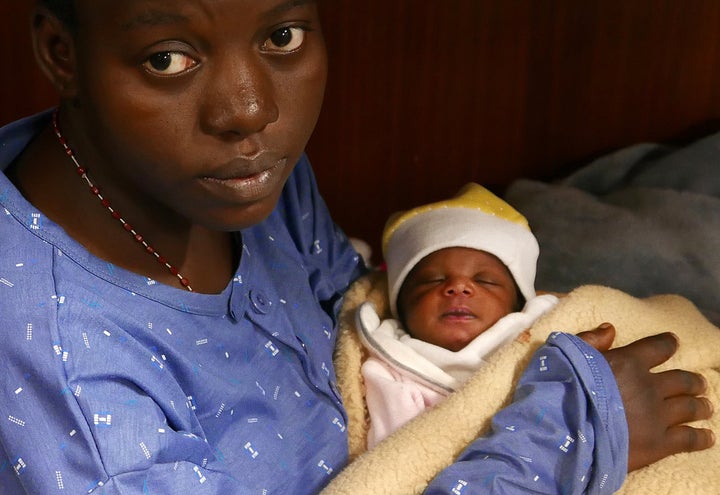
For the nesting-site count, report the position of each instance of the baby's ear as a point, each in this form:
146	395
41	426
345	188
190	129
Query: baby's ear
54	47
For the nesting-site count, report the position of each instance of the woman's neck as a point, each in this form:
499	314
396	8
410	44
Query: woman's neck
48	179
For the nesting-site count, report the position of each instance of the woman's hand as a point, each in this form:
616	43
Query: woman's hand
657	405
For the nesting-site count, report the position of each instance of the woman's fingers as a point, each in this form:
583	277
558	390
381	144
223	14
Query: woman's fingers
686	409
647	352
601	338
680	382
683	438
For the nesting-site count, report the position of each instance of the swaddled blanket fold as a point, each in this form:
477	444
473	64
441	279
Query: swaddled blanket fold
407	460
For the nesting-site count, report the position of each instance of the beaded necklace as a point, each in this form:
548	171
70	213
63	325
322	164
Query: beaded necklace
82	172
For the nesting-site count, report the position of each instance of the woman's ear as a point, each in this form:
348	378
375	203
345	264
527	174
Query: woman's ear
54	47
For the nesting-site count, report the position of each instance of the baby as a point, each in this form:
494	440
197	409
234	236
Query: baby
461	276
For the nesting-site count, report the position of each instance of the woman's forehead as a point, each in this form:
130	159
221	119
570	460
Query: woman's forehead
127	15
115	6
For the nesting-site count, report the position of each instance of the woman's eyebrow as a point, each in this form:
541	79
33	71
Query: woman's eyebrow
286	6
153	18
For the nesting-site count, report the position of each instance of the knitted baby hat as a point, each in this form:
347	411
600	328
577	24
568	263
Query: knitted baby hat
474	218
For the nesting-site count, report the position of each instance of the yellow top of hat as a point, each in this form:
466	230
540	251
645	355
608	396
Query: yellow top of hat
472	196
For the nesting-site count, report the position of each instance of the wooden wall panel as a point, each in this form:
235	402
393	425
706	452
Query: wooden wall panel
23	88
425	95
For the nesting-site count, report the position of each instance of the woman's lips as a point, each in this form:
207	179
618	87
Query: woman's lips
244	180
236	181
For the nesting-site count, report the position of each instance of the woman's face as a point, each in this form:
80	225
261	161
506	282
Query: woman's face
195	107
453	295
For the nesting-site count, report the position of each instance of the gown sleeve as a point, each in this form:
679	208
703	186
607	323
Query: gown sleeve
564	433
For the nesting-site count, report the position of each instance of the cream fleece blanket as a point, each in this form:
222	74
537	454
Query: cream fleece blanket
406	461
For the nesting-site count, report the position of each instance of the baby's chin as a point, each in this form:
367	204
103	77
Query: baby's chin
456	340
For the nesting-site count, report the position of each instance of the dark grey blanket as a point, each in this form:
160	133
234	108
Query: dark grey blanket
645	219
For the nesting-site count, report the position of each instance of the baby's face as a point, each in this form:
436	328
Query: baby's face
453	295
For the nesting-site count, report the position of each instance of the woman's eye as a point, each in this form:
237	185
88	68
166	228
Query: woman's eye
285	40
169	63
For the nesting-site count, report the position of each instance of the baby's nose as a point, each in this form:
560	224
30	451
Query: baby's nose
456	286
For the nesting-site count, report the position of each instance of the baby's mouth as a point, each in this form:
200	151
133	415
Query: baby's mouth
459	313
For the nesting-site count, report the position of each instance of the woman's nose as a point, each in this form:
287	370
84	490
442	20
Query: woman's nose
240	99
